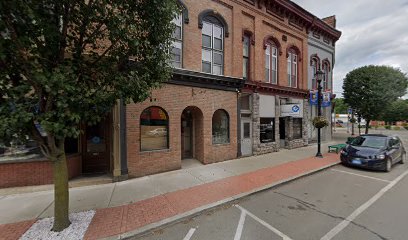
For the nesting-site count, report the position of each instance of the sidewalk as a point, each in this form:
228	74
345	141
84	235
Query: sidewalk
134	206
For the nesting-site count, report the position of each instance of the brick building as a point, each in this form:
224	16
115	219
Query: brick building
239	87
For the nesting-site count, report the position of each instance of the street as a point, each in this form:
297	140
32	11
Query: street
337	203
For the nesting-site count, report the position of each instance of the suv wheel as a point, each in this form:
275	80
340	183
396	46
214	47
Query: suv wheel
388	165
403	158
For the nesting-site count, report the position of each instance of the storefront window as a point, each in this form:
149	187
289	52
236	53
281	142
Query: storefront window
267	130
220	127
19	149
25	148
154	125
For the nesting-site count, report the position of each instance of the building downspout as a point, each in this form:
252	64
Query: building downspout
123	143
239	153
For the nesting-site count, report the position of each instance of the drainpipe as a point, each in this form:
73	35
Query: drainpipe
239	153
123	143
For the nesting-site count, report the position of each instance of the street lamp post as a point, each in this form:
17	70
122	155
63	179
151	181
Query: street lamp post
319	76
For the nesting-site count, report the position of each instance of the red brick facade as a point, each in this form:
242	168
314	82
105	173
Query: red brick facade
174	99
202	94
35	173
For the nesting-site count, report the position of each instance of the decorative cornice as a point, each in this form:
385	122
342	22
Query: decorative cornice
274	89
298	17
274	26
198	79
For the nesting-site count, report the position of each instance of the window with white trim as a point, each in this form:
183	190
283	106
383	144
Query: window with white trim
292	69
271	63
177	45
326	70
245	61
212	46
314	66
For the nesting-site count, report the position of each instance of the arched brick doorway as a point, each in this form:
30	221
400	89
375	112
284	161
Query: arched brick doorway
192	135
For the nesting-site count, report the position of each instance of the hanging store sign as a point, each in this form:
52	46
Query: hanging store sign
291	110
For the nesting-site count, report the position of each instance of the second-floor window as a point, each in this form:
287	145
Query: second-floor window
245	60
212	46
292	68
177	46
326	70
271	63
315	67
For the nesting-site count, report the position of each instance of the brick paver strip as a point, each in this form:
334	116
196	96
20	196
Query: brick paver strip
158	208
117	220
13	231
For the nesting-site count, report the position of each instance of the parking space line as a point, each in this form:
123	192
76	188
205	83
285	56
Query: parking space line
343	224
240	226
284	237
189	234
361	175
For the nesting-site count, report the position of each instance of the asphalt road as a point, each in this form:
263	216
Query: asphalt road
337	203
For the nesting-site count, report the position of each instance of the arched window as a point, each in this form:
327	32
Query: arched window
326	79
177	45
212	42
271	62
292	65
220	127
154	126
314	64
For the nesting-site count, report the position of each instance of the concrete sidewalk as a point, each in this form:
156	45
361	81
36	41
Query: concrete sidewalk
136	205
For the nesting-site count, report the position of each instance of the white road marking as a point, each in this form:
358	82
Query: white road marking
284	237
362	208
240	226
189	234
361	175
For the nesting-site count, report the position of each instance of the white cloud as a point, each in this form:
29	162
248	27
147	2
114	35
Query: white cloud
373	32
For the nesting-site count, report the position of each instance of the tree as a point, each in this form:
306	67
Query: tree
369	89
339	106
396	111
65	62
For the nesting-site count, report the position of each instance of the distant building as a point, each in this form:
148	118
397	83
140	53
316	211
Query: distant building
321	56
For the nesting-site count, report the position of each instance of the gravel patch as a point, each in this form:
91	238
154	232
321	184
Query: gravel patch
42	228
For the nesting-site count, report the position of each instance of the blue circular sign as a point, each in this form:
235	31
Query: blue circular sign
96	140
295	108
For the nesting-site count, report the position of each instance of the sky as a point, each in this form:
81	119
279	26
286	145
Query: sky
374	32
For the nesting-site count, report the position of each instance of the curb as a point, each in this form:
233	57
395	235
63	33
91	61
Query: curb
192	213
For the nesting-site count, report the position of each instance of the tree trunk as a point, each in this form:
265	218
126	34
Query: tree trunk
61	193
367	125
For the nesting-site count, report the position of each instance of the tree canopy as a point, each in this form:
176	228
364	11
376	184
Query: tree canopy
396	111
63	62
370	89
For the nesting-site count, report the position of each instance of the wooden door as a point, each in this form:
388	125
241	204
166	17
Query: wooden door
96	148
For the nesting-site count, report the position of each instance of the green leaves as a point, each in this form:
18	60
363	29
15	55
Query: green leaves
66	62
370	89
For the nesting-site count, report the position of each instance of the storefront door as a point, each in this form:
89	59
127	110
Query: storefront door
246	140
282	132
187	134
95	148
